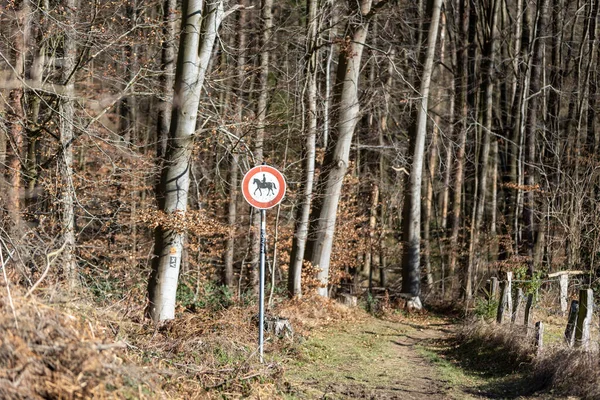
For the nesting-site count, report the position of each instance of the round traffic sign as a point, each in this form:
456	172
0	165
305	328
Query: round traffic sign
263	187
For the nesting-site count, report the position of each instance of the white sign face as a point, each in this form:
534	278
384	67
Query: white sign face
263	187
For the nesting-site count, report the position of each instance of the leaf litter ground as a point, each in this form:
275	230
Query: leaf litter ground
75	350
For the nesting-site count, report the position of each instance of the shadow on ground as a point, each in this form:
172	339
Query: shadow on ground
504	375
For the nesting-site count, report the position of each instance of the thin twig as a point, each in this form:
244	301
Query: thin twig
10	300
49	262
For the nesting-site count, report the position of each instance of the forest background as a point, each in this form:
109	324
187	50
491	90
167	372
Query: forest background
426	145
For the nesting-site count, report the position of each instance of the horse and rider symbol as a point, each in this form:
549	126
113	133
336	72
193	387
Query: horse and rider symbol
260	185
263	187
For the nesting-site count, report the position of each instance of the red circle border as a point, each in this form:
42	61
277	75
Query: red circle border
269	204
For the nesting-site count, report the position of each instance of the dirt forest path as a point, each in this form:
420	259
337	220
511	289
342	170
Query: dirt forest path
388	359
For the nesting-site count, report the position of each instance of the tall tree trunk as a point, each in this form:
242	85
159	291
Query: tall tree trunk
428	206
461	121
488	67
67	122
531	131
199	31
327	101
240	91
521	85
371	255
231	218
411	229
450	86
36	75
383	167
128	106
16	115
432	164
261	115
234	167
493	252
335	164
301	229
166	78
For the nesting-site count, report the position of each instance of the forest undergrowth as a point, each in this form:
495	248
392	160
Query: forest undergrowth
556	370
68	348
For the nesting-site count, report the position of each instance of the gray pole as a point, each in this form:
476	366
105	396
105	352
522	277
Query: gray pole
261	293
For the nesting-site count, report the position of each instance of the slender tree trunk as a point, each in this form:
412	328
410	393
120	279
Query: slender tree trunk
231	218
450	86
36	75
67	123
240	91
522	73
432	164
166	78
261	115
16	116
225	97
301	229
531	131
428	207
461	121
411	229
383	181
199	31
493	253
488	67
128	107
324	213
327	95
371	255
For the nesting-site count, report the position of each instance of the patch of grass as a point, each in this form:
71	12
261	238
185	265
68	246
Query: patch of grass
342	355
449	372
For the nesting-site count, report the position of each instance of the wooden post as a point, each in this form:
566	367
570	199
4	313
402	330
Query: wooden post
584	318
563	281
539	336
518	304
503	303
494	289
570	330
509	302
528	312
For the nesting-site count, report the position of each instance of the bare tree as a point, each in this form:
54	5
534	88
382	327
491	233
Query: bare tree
261	116
67	113
309	151
487	101
335	164
167	77
200	24
411	231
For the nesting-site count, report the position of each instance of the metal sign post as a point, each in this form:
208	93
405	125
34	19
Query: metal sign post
261	293
263	187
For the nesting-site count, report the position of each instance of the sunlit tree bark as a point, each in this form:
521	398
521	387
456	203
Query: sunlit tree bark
335	164
411	219
200	23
